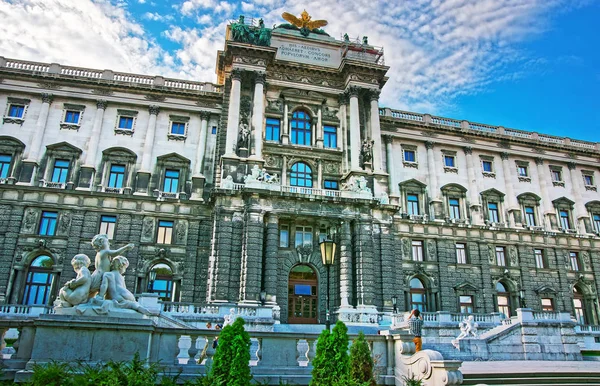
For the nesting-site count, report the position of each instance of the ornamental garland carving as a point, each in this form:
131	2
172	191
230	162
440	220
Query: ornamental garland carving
313	80
513	255
31	216
147	228
329	113
65	221
273	161
431	250
274	105
331	167
406	248
246	60
102	91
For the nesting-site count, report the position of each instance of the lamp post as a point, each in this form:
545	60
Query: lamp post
395	304
152	278
328	256
522	299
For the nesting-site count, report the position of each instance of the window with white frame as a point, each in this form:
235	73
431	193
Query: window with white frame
284	236
565	220
449	159
412	204
304	235
547	304
409	156
492	200
493	212
5	164
272	129
523	171
126	120
487	166
589	182
596	221
540	260
556	175
72	116
564	208
454	208
413	193
530	216
529	203
574	260
48	223
117	164
466	304
61	166
16	110
417	250
165	232
329	136
461	253
501	256
178	127
454	195
107	225
174	170
11	150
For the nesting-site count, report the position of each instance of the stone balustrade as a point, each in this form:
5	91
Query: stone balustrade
300	190
20	310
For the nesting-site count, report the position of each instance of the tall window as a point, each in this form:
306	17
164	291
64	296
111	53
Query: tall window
48	223
5	161
466	304
530	216
330	136
107	225
461	253
417	250
418	296
16	111
161	282
272	129
116	176
165	232
303	236
500	257
125	123
301	130
547	304
487	166
596	218
565	223
556	175
178	128
39	281
588	179
539	258
503	299
522	170
450	161
301	175
284	236
574	259
171	181
493	214
578	305
72	116
412	204
60	171
454	205
410	156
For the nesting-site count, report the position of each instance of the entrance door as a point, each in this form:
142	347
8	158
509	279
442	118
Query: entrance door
302	295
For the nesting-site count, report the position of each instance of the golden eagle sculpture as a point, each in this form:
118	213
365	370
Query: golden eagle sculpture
305	23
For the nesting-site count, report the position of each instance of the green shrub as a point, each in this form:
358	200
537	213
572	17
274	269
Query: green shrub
52	374
231	363
330	366
412	381
361	362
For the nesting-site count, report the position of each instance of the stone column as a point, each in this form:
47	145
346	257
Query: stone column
376	131
514	212
258	114
143	176
579	211
88	170
219	271
346	279
476	210
29	165
343	144
198	178
319	128
285	134
252	252
319	174
434	190
284	171
233	116
550	221
389	152
270	268
354	128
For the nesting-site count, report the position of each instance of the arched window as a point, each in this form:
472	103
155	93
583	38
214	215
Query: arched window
39	281
503	299
301	131
418	296
301	175
578	305
160	281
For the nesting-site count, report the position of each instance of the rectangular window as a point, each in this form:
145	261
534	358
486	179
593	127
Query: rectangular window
178	128
530	216
461	253
547	304
171	181
556	175
48	223
331	184
303	236
588	179
72	116
454	206
466	304
565	222
116	176
60	171
284	236
330	137
522	170
412	204
574	257
165	232
16	111
410	156
539	258
107	226
449	161
487	166
272	129
214	130
596	218
125	123
500	257
493	214
417	251
5	161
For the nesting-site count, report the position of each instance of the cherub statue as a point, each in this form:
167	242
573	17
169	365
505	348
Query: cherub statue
103	258
228	319
76	291
227	183
468	327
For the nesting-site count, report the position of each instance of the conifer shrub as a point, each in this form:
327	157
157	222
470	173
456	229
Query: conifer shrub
330	366
361	362
231	363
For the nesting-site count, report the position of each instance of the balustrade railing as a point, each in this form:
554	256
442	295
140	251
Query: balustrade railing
211	311
81	72
25	310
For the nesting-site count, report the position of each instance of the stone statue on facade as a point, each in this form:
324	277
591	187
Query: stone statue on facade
228	183
468	328
366	151
244	136
384	199
76	291
228	319
254	175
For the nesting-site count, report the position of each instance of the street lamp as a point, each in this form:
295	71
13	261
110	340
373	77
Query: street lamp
328	257
522	299
395	304
152	278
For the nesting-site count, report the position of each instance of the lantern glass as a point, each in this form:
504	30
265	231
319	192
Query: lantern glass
328	248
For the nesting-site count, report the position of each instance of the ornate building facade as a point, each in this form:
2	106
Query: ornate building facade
227	189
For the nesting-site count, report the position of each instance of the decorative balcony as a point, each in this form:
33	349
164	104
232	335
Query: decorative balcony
53	185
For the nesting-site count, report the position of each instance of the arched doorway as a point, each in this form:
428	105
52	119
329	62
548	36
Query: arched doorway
302	295
418	295
503	299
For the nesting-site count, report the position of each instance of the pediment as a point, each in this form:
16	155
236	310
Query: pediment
465	286
563	201
10	142
119	152
492	192
545	289
64	147
412	183
302	96
173	158
454	188
528	196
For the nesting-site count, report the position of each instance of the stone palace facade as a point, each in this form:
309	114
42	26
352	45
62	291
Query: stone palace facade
227	189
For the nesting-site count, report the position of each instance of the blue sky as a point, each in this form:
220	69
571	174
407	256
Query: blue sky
525	64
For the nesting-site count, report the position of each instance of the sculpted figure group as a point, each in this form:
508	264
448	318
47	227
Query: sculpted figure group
104	289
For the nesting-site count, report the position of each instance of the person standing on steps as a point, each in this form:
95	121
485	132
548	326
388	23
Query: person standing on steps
415	326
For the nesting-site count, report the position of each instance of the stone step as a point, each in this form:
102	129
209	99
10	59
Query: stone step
532	379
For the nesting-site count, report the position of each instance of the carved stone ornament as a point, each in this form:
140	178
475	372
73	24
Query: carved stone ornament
154	109
366	151
273	161
47	98
155	98
101	104
65	222
275	105
406	248
513	255
304	252
245	108
491	254
102	91
148	227
181	231
31	216
431	250
49	85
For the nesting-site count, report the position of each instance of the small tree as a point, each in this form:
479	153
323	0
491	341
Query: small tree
331	362
231	365
321	363
361	362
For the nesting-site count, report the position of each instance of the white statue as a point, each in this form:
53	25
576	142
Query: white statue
362	185
227	183
102	262
468	328
228	319
76	291
254	175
